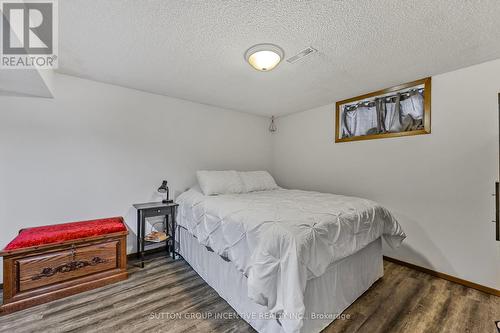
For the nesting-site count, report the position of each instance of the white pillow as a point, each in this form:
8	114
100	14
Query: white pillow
219	182
258	181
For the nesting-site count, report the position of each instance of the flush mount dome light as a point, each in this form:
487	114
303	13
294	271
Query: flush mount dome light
264	57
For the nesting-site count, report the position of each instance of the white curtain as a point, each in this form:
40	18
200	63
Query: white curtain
397	113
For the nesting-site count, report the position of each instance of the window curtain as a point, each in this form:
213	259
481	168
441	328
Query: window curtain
391	114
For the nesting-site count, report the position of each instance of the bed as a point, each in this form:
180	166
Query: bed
285	260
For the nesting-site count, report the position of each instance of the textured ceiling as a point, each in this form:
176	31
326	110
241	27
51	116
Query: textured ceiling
194	49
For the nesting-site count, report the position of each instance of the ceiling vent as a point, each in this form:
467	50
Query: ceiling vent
302	54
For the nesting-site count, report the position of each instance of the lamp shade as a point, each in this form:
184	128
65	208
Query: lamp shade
163	188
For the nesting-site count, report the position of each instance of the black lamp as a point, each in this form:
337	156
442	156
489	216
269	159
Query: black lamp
164	189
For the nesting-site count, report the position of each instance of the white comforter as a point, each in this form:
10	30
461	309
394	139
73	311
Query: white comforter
279	239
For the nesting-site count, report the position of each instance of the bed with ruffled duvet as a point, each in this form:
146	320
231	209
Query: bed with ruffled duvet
279	239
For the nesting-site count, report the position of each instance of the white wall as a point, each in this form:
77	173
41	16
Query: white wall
439	185
95	149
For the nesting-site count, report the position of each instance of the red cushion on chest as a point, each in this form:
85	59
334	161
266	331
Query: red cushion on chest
66	231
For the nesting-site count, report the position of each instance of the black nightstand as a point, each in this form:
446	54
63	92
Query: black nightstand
152	209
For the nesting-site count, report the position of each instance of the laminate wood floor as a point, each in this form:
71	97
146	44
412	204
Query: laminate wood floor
404	300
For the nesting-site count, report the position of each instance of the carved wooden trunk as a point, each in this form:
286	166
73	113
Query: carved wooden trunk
40	274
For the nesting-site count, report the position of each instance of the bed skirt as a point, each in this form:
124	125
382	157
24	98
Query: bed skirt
326	297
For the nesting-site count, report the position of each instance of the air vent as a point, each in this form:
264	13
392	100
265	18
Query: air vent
302	54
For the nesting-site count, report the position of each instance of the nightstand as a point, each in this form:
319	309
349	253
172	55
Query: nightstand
153	209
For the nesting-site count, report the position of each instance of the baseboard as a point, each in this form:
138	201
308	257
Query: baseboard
454	279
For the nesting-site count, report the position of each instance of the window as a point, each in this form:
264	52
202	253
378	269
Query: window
398	111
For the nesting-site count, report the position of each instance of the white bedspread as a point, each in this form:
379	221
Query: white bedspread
279	239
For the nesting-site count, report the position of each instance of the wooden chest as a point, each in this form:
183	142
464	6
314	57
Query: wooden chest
40	274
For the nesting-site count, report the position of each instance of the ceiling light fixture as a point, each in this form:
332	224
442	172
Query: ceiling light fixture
264	57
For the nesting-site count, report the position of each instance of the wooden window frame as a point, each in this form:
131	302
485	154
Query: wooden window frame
427	82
